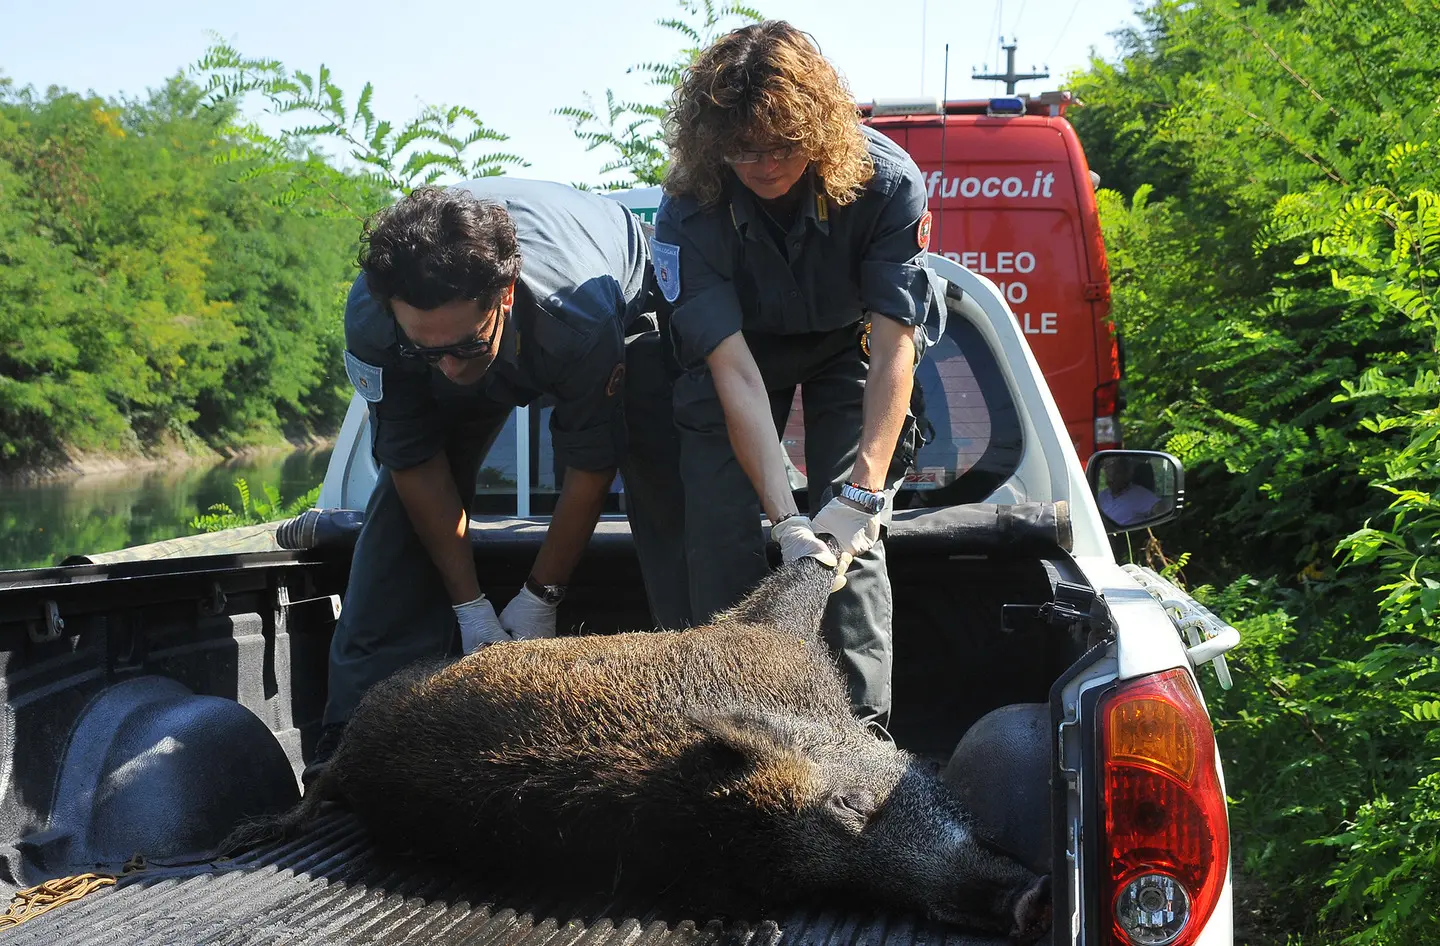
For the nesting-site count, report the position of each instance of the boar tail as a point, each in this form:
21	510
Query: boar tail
282	827
790	599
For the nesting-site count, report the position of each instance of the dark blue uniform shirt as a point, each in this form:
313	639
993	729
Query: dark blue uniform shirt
734	271
582	281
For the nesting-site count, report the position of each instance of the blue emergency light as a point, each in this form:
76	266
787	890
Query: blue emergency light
1010	105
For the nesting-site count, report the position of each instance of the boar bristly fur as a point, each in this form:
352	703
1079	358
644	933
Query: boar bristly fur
719	760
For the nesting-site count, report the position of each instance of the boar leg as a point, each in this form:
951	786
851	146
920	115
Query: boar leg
790	599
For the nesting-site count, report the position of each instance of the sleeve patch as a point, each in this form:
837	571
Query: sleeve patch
922	232
667	269
369	380
617	380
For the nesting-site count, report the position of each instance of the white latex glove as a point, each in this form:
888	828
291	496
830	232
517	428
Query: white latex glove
527	617
854	529
478	624
797	539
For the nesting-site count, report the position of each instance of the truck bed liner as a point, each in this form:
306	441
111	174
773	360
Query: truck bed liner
330	886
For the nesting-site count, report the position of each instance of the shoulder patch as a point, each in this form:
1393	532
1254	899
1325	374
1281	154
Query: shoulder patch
667	269
922	232
369	380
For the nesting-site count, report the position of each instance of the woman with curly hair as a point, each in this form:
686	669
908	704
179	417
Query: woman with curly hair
791	244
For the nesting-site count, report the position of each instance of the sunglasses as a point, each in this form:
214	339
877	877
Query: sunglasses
782	153
465	351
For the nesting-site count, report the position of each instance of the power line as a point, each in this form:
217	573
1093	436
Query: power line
1015	27
994	27
999	25
1061	38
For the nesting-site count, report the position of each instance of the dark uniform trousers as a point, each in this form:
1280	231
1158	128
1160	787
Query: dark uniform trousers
396	609
723	536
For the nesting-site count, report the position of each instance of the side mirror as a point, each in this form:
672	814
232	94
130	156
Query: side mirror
1136	489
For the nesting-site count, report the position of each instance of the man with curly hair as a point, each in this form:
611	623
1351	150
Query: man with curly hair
791	244
473	300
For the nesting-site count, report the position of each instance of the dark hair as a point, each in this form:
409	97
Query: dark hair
437	245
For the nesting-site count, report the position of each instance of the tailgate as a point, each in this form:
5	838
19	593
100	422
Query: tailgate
331	887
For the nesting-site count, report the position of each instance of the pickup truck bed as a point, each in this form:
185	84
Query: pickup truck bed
151	702
331	887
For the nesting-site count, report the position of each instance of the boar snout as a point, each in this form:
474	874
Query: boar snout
1019	911
1032	913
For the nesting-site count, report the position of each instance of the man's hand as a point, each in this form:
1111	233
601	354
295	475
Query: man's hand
478	624
854	528
527	617
798	540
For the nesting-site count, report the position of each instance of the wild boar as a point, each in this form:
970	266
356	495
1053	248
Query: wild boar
719	762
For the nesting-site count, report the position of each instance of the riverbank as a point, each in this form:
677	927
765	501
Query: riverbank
172	455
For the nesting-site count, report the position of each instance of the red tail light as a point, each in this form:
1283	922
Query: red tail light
1167	838
1107	416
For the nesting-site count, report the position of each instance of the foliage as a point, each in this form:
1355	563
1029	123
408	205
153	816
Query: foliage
390	159
634	130
253	511
1273	235
174	274
152	300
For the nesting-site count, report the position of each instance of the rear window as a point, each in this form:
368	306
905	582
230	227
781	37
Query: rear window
972	432
967	417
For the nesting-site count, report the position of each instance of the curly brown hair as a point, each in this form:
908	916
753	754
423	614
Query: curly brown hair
764	82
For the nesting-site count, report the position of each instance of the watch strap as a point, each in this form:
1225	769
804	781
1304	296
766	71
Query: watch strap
550	594
872	502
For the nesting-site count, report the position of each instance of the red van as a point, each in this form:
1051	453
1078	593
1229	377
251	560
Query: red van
1013	200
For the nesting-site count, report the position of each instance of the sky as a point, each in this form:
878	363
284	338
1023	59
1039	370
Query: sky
516	62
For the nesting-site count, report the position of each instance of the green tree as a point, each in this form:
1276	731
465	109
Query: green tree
633	131
1272	238
152	299
386	159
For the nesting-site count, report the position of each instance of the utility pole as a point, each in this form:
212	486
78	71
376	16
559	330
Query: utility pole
1010	76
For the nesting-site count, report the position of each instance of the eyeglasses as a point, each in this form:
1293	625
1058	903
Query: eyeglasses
465	351
782	153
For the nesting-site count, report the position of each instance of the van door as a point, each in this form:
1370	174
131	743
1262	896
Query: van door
1014	203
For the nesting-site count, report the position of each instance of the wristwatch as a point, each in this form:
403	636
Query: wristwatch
550	594
864	498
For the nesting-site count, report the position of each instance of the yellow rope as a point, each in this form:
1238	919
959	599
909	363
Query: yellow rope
31	902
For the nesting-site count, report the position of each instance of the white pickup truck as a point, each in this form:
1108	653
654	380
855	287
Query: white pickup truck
156	695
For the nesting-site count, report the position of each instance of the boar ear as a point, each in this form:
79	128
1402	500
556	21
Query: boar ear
747	736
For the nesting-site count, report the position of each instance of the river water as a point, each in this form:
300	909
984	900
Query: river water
42	523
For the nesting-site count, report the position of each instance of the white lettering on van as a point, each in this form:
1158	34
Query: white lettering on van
1046	324
1005	261
1015	292
937	184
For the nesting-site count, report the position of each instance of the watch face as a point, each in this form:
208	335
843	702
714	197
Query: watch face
550	594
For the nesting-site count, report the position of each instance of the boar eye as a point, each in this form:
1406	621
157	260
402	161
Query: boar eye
856	804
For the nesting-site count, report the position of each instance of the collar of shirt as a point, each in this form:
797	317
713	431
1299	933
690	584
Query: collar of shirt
510	338
507	365
814	206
